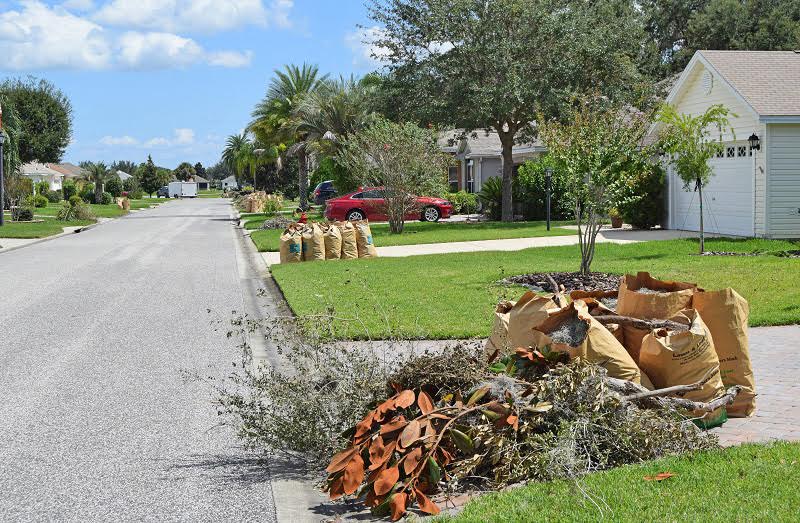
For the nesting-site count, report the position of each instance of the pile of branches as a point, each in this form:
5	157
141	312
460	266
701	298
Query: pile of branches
532	416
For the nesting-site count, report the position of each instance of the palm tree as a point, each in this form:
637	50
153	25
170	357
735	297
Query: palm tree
274	118
97	173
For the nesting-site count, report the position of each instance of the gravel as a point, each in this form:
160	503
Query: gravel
572	281
279	222
646	290
571	332
611	303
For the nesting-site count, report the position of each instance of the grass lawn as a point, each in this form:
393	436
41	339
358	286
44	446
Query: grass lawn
443	232
101	211
453	295
43	229
209	193
747	483
145	203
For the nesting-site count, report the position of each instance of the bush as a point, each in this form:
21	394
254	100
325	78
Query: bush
69	189
106	198
136	194
88	197
491	197
53	196
86	192
37	201
644	206
131	185
273	203
463	202
74	210
114	186
43	188
75	200
22	214
532	192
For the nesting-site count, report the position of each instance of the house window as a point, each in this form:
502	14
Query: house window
452	175
750	149
470	176
742	151
720	154
731	152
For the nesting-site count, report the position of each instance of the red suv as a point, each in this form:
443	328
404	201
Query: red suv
369	203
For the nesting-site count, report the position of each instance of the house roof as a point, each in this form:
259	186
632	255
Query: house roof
481	144
200	179
123	175
230	179
67	169
768	81
39	169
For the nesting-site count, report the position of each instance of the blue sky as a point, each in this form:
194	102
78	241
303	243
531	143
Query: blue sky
172	78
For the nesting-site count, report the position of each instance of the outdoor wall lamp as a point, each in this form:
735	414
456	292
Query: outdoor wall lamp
755	142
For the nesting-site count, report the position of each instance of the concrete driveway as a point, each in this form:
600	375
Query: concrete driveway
95	329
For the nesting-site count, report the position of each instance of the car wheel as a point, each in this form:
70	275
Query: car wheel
356	215
431	214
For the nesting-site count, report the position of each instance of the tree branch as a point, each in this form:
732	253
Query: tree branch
642	324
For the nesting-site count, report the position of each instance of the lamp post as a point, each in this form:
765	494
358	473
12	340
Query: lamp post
549	177
755	142
2	181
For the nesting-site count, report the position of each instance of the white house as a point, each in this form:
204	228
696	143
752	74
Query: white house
754	192
39	172
230	184
123	176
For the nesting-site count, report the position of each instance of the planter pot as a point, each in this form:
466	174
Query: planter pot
616	222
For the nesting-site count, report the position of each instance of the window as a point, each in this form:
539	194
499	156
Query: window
742	151
731	152
358	196
720	154
452	175
470	176
372	194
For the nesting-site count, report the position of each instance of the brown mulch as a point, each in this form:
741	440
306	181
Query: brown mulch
724	253
572	281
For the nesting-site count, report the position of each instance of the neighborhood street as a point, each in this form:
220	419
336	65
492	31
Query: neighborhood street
97	421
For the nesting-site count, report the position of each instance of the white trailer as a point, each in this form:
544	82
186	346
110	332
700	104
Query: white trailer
183	190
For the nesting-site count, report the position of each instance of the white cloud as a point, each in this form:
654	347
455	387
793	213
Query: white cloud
118	140
37	36
78	5
194	16
366	53
181	137
184	136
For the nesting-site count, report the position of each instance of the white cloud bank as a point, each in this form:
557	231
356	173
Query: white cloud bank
181	137
366	53
36	36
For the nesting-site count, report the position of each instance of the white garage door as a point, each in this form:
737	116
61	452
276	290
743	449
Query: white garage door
728	197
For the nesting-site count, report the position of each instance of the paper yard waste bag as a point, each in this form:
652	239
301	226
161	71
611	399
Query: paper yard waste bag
333	241
366	246
598	308
726	314
607	299
528	313
498	341
574	331
292	245
349	243
673	358
645	297
313	243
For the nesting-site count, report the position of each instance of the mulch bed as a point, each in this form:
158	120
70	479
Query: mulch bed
723	253
572	281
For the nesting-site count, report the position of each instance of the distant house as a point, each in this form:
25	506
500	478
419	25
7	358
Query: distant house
478	157
230	184
202	183
69	170
754	191
123	176
40	172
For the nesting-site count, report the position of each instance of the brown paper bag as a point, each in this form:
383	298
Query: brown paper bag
292	245
726	314
526	314
683	358
598	296
598	346
313	243
333	241
349	243
498	341
671	298
366	246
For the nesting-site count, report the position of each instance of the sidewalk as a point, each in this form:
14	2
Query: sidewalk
620	236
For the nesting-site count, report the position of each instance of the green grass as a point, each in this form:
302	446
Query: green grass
416	233
39	229
101	211
210	193
747	483
453	295
145	203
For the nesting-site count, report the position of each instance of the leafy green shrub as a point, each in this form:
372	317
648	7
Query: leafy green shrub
37	201
114	186
136	194
643	206
22	214
53	196
87	192
532	192
273	203
463	202
75	200
42	188
88	197
69	189
491	197
74	210
106	198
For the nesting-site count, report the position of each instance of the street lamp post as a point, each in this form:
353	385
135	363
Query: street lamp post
549	176
2	181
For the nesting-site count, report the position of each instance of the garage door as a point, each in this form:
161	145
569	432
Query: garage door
728	197
784	181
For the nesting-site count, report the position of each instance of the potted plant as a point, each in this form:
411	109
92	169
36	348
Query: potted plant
616	218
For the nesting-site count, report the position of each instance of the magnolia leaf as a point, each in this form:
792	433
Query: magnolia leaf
493	416
353	474
336	489
340	460
498	367
376	450
542	407
659	477
405	399
388	450
412	460
462	441
393	426
477	396
398	505
425	402
434	472
410	434
386	480
365	425
425	504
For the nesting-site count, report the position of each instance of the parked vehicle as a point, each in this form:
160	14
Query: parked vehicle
183	190
324	192
369	203
163	192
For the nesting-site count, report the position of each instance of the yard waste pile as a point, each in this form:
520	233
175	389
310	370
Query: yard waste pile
259	202
327	241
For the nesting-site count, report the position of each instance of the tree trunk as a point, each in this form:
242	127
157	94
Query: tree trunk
302	159
98	192
507	140
702	225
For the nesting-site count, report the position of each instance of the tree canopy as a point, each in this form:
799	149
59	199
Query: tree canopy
45	116
149	178
184	171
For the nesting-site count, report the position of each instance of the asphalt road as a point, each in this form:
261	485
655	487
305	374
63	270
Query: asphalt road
96	422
